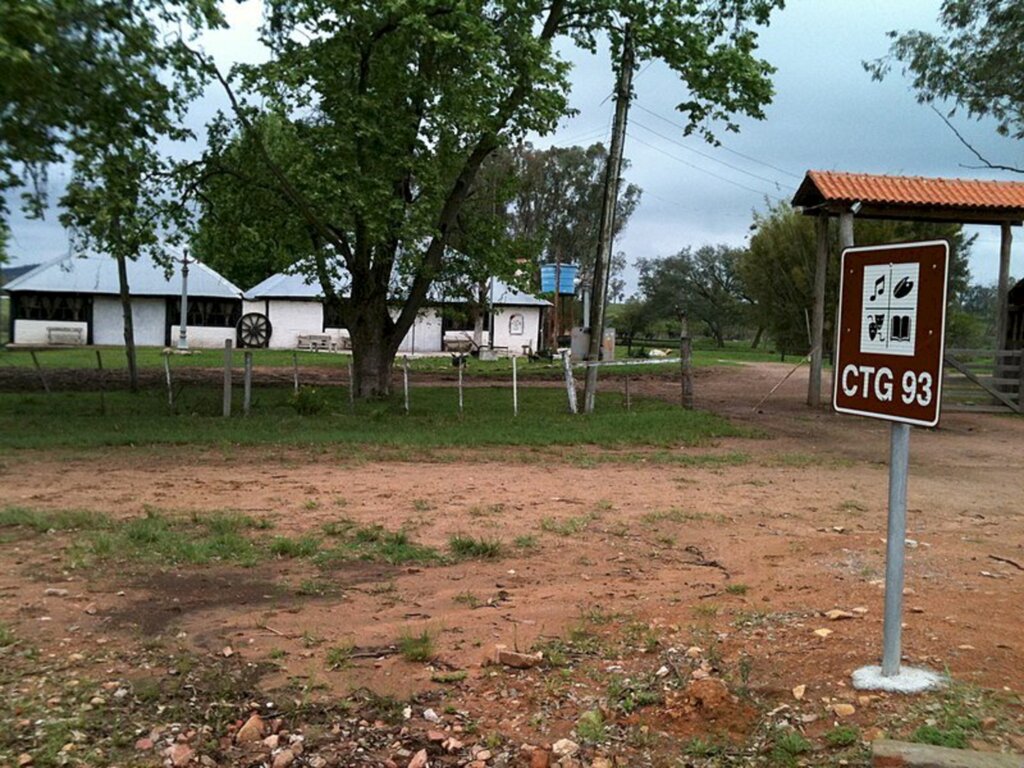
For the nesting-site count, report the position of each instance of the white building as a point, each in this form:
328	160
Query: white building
75	300
294	308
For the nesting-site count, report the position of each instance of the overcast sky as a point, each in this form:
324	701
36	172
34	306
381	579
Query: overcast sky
827	114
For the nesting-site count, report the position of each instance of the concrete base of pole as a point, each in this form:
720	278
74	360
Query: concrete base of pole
908	680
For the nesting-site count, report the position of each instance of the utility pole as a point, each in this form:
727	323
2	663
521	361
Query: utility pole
599	294
183	321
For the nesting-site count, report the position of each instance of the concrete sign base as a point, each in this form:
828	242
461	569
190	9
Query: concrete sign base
908	680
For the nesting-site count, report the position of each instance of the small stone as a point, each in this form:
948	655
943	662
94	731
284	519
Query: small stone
860	610
317	762
431	716
144	745
227	652
54	592
251	731
823	632
76	657
601	762
989	723
662	671
273	741
835	615
180	755
284	759
694	652
843	710
90	609
419	760
565	748
436	736
484	755
519	660
24	759
799	691
452	745
539	758
700	674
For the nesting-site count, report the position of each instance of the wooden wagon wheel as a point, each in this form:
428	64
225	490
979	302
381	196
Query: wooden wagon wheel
254	330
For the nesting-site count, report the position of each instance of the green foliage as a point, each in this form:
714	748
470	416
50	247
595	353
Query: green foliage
7	636
338	657
787	746
468	547
778	269
628	695
974	62
40	521
374	544
698	747
705	283
302	547
591	727
736	589
308	401
416	647
842	736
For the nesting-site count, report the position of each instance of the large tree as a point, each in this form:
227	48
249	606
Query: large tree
397	105
705	283
777	270
976	63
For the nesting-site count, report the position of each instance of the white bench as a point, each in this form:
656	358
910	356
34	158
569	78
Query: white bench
64	335
317	342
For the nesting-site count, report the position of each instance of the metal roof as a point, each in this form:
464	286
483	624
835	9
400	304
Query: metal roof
98	274
299	287
972	194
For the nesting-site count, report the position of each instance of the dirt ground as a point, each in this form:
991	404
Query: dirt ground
713	564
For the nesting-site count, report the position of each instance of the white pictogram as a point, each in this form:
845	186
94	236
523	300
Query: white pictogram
890	309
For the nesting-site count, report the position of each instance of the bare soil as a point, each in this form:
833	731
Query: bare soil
736	549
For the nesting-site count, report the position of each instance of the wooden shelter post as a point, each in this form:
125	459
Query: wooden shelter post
1003	297
818	312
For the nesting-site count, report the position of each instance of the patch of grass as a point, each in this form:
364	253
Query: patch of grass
566	526
526	541
315	588
338	657
698	747
467	598
842	736
628	695
736	589
490	510
470	548
422	505
42	521
449	677
416	647
676	515
705	610
6	636
375	543
956	718
302	547
591	727
340	527
852	506
787	746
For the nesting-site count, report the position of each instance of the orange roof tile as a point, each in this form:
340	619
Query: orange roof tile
832	186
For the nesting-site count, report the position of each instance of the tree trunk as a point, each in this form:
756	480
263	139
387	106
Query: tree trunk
129	324
373	349
757	337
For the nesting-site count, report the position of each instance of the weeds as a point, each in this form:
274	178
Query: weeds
525	542
338	657
469	548
567	526
591	727
303	547
787	746
416	647
842	736
736	589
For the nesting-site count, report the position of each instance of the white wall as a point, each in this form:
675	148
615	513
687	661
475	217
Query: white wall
34	331
425	334
149	317
204	337
288	320
530	326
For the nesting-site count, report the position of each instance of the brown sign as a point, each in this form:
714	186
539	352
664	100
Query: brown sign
892	320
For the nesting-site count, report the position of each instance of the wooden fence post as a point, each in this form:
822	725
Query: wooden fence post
351	387
515	389
685	362
227	378
39	370
627	394
103	383
570	383
295	370
167	378
247	384
462	364
1020	382
405	381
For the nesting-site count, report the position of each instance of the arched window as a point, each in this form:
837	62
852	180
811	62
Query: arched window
516	325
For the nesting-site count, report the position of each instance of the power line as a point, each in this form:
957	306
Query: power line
712	158
722	146
702	170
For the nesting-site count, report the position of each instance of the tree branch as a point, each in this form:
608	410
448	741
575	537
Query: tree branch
986	162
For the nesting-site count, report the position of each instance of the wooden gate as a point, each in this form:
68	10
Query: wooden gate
983	380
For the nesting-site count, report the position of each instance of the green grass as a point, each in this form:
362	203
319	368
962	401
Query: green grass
787	747
469	548
6	636
591	727
842	736
302	547
566	526
736	589
373	543
415	647
76	420
59	520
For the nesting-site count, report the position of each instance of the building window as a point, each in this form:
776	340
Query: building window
62	307
210	313
516	325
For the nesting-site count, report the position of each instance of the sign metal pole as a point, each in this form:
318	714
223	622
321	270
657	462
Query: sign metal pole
899	459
